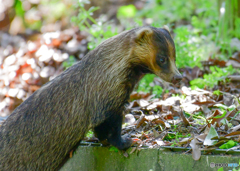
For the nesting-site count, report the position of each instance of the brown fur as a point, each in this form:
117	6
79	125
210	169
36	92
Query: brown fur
41	132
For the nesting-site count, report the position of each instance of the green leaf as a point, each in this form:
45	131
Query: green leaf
112	148
211	134
198	82
223	115
128	11
157	90
217	74
90	134
18	8
228	145
220	169
69	62
217	92
144	83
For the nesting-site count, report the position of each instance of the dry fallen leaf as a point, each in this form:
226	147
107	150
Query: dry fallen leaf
211	134
196	152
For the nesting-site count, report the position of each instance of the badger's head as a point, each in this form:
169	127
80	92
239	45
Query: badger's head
155	51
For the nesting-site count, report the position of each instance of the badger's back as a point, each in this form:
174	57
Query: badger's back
41	132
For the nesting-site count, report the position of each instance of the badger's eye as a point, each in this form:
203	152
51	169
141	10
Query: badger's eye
162	60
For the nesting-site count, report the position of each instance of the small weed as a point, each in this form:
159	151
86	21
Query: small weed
99	29
145	85
209	80
89	134
71	60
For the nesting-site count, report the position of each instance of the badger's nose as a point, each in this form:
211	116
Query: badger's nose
177	78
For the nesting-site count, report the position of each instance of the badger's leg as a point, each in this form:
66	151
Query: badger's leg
110	130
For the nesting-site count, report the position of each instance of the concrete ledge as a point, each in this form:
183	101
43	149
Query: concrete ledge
101	159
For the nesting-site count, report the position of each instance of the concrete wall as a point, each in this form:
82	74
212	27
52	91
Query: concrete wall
101	159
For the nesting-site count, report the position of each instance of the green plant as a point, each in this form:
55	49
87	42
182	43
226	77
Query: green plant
34	15
169	136
229	24
18	7
112	148
160	12
209	80
128	11
145	85
69	62
188	51
127	17
99	30
157	90
228	144
198	116
217	92
89	134
82	20
207	32
176	136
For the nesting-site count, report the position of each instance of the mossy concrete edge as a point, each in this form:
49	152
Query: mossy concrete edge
102	159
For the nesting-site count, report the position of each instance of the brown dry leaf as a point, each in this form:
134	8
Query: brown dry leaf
159	142
129	119
217	120
12	92
133	104
166	108
163	134
232	113
235	128
206	110
125	154
154	105
140	121
221	142
228	99
140	95
34	88
197	91
184	141
133	150
155	133
196	152
206	103
234	78
144	136
201	137
143	103
158	121
233	134
167	116
210	135
190	108
215	113
191	73
196	72
151	117
56	42
177	111
234	63
218	62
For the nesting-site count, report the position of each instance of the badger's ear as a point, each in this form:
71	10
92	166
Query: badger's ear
143	33
165	27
